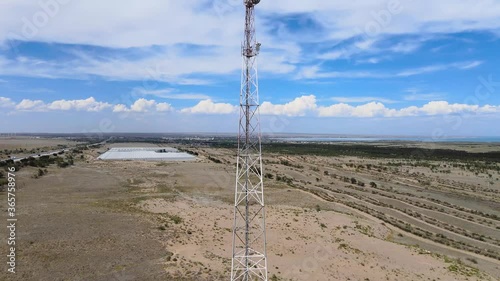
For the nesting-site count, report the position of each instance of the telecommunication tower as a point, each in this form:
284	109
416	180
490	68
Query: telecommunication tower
249	259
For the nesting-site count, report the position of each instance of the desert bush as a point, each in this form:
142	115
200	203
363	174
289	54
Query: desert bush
176	219
268	176
215	160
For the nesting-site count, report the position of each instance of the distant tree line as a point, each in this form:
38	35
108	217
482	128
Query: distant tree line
372	151
40	162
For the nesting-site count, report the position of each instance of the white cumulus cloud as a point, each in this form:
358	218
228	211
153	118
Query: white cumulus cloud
6	102
210	107
298	107
120	108
371	109
31	105
443	107
143	106
89	104
307	104
163	107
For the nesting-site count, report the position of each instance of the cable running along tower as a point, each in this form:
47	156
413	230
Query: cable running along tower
249	259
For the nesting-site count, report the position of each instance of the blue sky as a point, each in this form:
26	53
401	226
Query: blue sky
398	67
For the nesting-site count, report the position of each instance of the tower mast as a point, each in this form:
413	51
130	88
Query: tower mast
249	257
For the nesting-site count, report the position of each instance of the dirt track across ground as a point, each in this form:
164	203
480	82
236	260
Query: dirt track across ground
133	220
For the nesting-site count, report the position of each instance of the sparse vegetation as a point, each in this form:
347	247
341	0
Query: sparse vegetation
215	160
421	195
175	218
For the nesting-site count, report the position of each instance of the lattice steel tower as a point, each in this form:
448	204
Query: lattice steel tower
249	260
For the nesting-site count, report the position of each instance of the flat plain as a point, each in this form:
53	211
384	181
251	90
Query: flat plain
20	146
378	211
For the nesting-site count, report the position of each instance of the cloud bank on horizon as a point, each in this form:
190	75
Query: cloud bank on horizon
321	62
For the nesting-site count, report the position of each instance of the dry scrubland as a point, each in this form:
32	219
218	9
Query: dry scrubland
20	146
329	218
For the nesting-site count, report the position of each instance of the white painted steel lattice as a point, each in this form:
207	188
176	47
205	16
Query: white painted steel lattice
249	259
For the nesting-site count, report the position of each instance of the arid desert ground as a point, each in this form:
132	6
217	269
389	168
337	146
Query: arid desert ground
330	216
